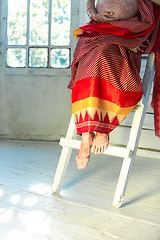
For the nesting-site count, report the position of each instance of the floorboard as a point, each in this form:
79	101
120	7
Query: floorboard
83	209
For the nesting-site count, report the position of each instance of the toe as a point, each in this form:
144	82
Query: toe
99	151
102	149
93	148
78	160
80	165
96	150
105	146
84	163
77	157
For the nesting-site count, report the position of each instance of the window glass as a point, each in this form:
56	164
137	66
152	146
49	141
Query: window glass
17	21
39	22
16	57
40	31
38	57
60	22
60	58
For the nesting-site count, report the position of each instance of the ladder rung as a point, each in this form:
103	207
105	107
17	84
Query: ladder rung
111	150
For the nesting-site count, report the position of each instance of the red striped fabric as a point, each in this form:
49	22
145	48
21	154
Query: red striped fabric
106	64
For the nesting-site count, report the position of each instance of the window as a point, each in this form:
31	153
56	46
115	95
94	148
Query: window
38	34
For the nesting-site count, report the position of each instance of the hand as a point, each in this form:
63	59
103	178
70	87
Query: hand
93	14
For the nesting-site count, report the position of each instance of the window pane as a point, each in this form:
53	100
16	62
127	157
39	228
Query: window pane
39	22
16	57
60	58
38	57
60	22
17	21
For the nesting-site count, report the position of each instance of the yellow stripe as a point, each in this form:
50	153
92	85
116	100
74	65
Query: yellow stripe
93	102
76	32
101	114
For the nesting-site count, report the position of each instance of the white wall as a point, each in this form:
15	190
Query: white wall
34	104
34	107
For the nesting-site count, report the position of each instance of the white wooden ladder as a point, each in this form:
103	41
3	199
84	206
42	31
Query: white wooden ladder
128	153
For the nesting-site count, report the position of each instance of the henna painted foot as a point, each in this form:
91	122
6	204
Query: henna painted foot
84	152
100	143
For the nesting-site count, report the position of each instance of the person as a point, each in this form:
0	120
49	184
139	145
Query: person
105	83
108	10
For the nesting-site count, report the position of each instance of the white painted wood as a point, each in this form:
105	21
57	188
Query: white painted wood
147	139
29	211
148	121
64	159
122	182
135	133
149	108
141	109
148	76
111	150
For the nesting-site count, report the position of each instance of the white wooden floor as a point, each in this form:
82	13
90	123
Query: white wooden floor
83	211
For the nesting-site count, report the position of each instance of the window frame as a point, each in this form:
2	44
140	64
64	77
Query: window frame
37	71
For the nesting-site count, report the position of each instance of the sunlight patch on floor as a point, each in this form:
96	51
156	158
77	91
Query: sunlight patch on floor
15	199
41	188
6	216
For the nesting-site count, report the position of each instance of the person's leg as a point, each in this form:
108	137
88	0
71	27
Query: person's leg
84	152
103	95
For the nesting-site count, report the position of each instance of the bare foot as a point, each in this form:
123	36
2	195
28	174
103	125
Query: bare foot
100	143
84	152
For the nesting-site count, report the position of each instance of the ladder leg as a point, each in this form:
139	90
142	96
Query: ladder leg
120	190
61	169
133	139
128	162
64	160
